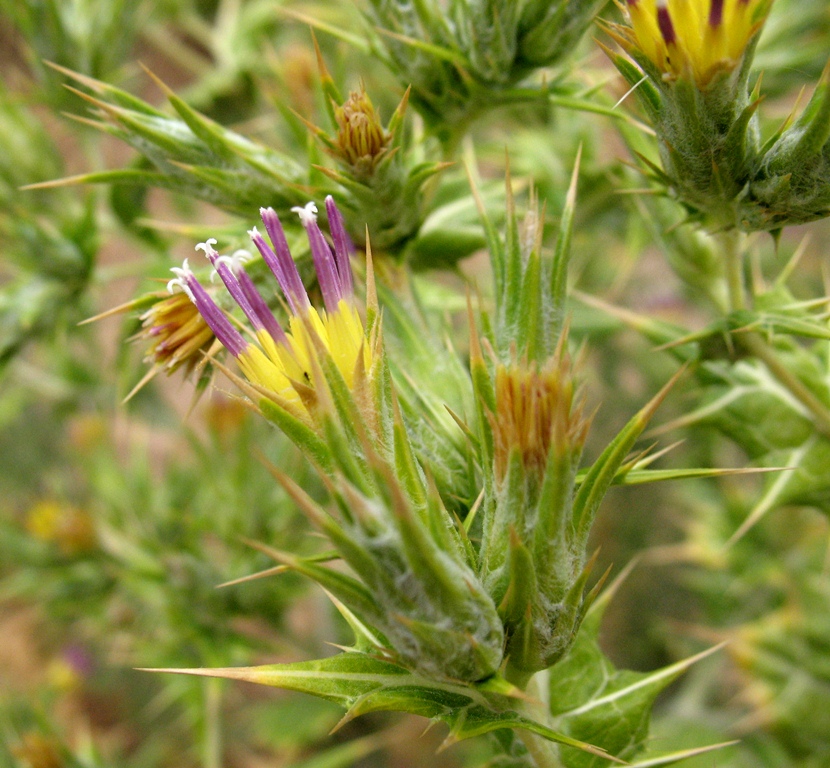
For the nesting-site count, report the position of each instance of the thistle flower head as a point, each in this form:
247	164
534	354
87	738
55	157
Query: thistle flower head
694	39
70	528
280	363
175	332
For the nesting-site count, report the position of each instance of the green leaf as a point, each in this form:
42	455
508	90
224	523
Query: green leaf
592	700
363	683
601	475
561	257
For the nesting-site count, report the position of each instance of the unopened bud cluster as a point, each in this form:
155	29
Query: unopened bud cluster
361	139
487	47
533	561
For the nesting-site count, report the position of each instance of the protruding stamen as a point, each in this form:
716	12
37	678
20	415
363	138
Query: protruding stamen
235	261
665	24
324	264
343	246
307	213
716	14
280	262
207	246
226	273
213	316
180	280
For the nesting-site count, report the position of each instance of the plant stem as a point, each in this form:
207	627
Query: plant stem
754	343
544	753
732	247
212	744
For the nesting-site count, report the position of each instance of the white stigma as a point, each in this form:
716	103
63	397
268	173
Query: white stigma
307	214
180	280
207	246
253	233
234	262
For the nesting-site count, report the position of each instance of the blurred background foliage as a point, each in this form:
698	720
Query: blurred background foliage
118	522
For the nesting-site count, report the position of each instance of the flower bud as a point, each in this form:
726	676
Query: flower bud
534	571
696	56
361	139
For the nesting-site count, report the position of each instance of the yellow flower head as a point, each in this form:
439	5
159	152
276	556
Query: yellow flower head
71	529
175	332
694	38
280	363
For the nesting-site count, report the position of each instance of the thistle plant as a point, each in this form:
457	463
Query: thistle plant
443	610
415	495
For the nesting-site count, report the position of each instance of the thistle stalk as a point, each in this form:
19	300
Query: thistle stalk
732	244
545	753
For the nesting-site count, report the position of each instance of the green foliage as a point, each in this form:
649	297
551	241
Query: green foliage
49	244
463	516
469	57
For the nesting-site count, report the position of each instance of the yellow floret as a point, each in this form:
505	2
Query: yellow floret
691	44
274	366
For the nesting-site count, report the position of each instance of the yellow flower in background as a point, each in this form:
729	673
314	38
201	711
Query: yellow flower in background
695	39
71	529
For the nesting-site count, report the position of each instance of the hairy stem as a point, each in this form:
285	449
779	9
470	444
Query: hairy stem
732	247
544	753
756	345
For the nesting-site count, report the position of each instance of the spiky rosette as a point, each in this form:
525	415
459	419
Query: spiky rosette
417	585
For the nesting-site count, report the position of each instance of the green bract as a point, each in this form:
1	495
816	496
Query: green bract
465	57
714	159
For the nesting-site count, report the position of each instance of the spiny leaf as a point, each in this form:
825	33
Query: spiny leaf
364	683
591	700
676	757
601	475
